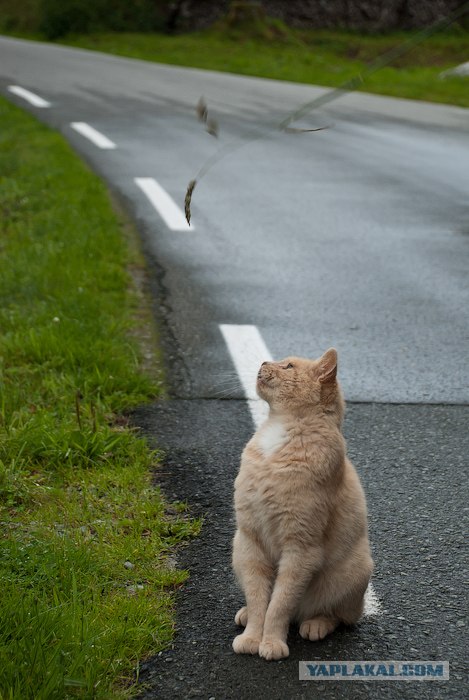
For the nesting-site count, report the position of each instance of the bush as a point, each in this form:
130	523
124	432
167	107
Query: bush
59	18
138	15
62	17
21	16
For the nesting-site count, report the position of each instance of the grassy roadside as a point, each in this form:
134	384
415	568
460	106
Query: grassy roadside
318	57
84	570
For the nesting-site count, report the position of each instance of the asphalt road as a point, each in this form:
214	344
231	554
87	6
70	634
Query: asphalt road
357	237
412	461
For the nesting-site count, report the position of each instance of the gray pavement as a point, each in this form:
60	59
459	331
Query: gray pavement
357	237
412	461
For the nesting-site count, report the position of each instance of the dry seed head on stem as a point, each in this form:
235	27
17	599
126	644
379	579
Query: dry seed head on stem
201	110
188	199
292	130
212	127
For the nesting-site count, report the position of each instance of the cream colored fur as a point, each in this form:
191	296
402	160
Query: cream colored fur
301	550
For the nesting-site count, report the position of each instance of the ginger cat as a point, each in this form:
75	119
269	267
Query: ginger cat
300	552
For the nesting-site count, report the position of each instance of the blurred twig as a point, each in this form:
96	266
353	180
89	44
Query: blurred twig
348	86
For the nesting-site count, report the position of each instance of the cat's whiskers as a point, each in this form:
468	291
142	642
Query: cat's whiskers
226	388
226	393
244	379
226	380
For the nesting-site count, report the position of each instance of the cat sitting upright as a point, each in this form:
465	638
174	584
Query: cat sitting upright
301	551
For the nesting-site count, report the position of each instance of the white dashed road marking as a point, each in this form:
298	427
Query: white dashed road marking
164	205
93	135
29	96
248	350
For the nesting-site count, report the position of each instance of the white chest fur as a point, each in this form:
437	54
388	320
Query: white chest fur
271	436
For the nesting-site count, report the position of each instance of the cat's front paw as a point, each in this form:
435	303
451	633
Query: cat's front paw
243	644
241	617
273	649
317	628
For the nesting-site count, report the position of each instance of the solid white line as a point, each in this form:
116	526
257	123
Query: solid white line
248	350
164	205
93	135
29	96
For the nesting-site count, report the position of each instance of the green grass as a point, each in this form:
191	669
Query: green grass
318	57
76	499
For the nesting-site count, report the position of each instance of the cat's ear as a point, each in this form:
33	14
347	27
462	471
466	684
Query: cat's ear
328	366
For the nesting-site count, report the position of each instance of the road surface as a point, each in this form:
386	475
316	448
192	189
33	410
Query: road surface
356	236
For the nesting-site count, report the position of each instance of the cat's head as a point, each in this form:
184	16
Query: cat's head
296	384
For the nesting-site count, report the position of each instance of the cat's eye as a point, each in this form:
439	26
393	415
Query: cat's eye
289	366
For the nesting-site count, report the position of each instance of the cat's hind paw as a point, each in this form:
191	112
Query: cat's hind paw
273	650
241	617
243	644
317	628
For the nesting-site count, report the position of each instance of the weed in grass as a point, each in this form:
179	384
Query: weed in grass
76	499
